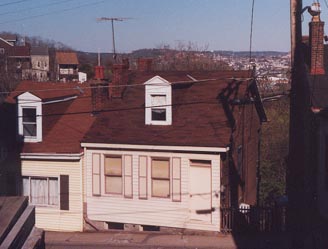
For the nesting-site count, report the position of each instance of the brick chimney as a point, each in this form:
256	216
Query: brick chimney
99	72
99	96
119	78
316	27
145	64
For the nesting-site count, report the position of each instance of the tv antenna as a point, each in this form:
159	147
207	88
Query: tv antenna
112	20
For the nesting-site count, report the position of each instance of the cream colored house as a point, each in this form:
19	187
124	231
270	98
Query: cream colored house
50	126
159	155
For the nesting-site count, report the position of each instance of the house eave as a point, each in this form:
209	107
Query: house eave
156	147
52	156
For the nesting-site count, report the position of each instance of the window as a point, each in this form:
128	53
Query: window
160	178
113	175
41	190
29	118
158	110
2	50
158	101
29	122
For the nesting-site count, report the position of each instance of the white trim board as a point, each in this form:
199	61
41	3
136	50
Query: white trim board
156	147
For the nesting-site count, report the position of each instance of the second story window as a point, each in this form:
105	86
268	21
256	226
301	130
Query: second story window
29	122
158	101
158	109
29	118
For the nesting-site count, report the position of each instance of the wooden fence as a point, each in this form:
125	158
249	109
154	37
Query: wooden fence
253	219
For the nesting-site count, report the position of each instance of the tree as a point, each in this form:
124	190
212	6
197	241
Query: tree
274	151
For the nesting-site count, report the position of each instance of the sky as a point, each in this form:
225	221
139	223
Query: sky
208	24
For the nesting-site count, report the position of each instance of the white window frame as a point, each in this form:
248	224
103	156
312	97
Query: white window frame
28	100
157	86
155	179
47	178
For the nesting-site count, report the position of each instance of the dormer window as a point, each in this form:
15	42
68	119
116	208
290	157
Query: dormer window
158	109
29	118
158	99
29	122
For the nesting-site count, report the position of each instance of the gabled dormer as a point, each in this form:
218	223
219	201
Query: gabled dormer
158	101
29	108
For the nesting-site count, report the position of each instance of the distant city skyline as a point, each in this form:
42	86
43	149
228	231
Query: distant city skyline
211	24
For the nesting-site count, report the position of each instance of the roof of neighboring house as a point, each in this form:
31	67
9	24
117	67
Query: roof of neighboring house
39	51
19	51
200	113
65	120
9	37
69	58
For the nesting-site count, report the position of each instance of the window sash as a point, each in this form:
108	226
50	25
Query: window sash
158	100
29	115
113	175
41	190
160	174
158	114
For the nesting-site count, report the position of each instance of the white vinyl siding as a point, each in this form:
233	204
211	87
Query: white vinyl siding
61	220
145	209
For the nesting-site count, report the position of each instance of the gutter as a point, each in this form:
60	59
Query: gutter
155	147
55	156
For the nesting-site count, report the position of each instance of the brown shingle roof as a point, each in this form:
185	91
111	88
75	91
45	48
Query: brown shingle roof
198	116
68	58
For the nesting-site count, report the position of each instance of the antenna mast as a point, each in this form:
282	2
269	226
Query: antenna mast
112	19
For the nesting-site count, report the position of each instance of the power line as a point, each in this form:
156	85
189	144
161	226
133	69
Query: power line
130	85
54	12
12	3
32	8
251	33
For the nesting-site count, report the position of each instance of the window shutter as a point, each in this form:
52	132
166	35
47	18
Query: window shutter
64	192
128	189
142	177
176	179
96	174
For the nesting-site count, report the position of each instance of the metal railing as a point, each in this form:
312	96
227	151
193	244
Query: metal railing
253	219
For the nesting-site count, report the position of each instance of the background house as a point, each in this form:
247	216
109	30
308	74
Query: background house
39	70
66	66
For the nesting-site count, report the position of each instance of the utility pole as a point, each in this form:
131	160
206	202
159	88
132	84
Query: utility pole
296	27
112	20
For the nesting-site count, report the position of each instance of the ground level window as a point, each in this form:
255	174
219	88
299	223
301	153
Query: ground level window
160	178
41	190
113	175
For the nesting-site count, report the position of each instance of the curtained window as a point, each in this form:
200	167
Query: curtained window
41	190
